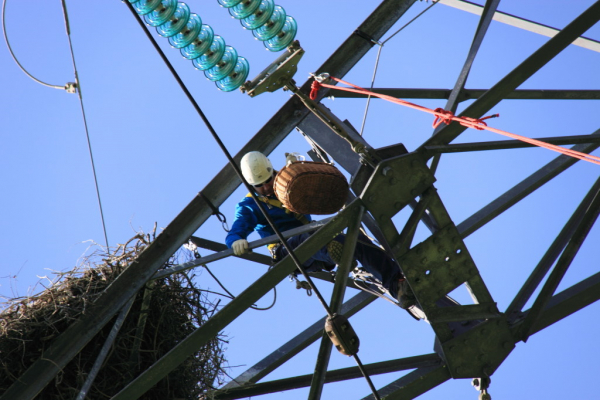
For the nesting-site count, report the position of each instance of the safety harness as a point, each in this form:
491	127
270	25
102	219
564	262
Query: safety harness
276	203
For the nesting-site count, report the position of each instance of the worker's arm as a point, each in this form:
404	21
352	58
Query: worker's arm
243	224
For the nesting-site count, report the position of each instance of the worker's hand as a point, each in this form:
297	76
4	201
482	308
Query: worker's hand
240	247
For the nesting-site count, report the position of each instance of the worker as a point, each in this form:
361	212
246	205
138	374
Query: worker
259	173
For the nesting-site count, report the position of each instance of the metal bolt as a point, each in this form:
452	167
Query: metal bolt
387	171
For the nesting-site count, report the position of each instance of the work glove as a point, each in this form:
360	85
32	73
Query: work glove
240	247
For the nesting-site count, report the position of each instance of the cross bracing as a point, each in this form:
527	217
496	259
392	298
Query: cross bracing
408	181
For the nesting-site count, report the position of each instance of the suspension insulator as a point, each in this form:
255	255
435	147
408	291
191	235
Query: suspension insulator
162	13
197	41
268	22
229	3
224	65
260	16
244	9
236	78
143	7
212	56
176	23
285	37
200	44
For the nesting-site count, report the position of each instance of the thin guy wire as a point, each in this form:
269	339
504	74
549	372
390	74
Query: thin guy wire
87	133
15	57
362	127
239	174
410	22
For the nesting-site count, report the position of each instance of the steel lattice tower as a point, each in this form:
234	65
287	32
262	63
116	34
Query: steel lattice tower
472	340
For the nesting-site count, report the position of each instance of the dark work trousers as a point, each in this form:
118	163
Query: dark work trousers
373	259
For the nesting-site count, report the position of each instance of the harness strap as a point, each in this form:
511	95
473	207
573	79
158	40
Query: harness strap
279	204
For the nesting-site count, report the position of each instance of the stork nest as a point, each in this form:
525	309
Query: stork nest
163	313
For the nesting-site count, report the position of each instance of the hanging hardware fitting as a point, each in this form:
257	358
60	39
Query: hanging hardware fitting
342	335
276	75
71	87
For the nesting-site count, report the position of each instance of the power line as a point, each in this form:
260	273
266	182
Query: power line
87	133
69	87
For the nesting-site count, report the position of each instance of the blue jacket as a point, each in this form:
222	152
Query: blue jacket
249	218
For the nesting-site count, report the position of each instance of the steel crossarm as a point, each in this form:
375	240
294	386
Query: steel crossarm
523	189
383	367
471	94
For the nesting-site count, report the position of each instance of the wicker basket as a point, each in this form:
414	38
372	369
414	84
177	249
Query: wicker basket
311	188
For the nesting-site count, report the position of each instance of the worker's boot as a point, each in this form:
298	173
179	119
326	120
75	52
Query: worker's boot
334	248
406	297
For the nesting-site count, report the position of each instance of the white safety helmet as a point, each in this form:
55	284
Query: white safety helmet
256	168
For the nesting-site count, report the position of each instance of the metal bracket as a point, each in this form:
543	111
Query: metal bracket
276	75
71	87
480	351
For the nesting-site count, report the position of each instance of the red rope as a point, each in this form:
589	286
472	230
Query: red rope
446	117
314	89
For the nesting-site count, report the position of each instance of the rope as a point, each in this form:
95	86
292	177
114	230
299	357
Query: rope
446	117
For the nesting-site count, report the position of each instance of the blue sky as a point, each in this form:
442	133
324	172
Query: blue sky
153	154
